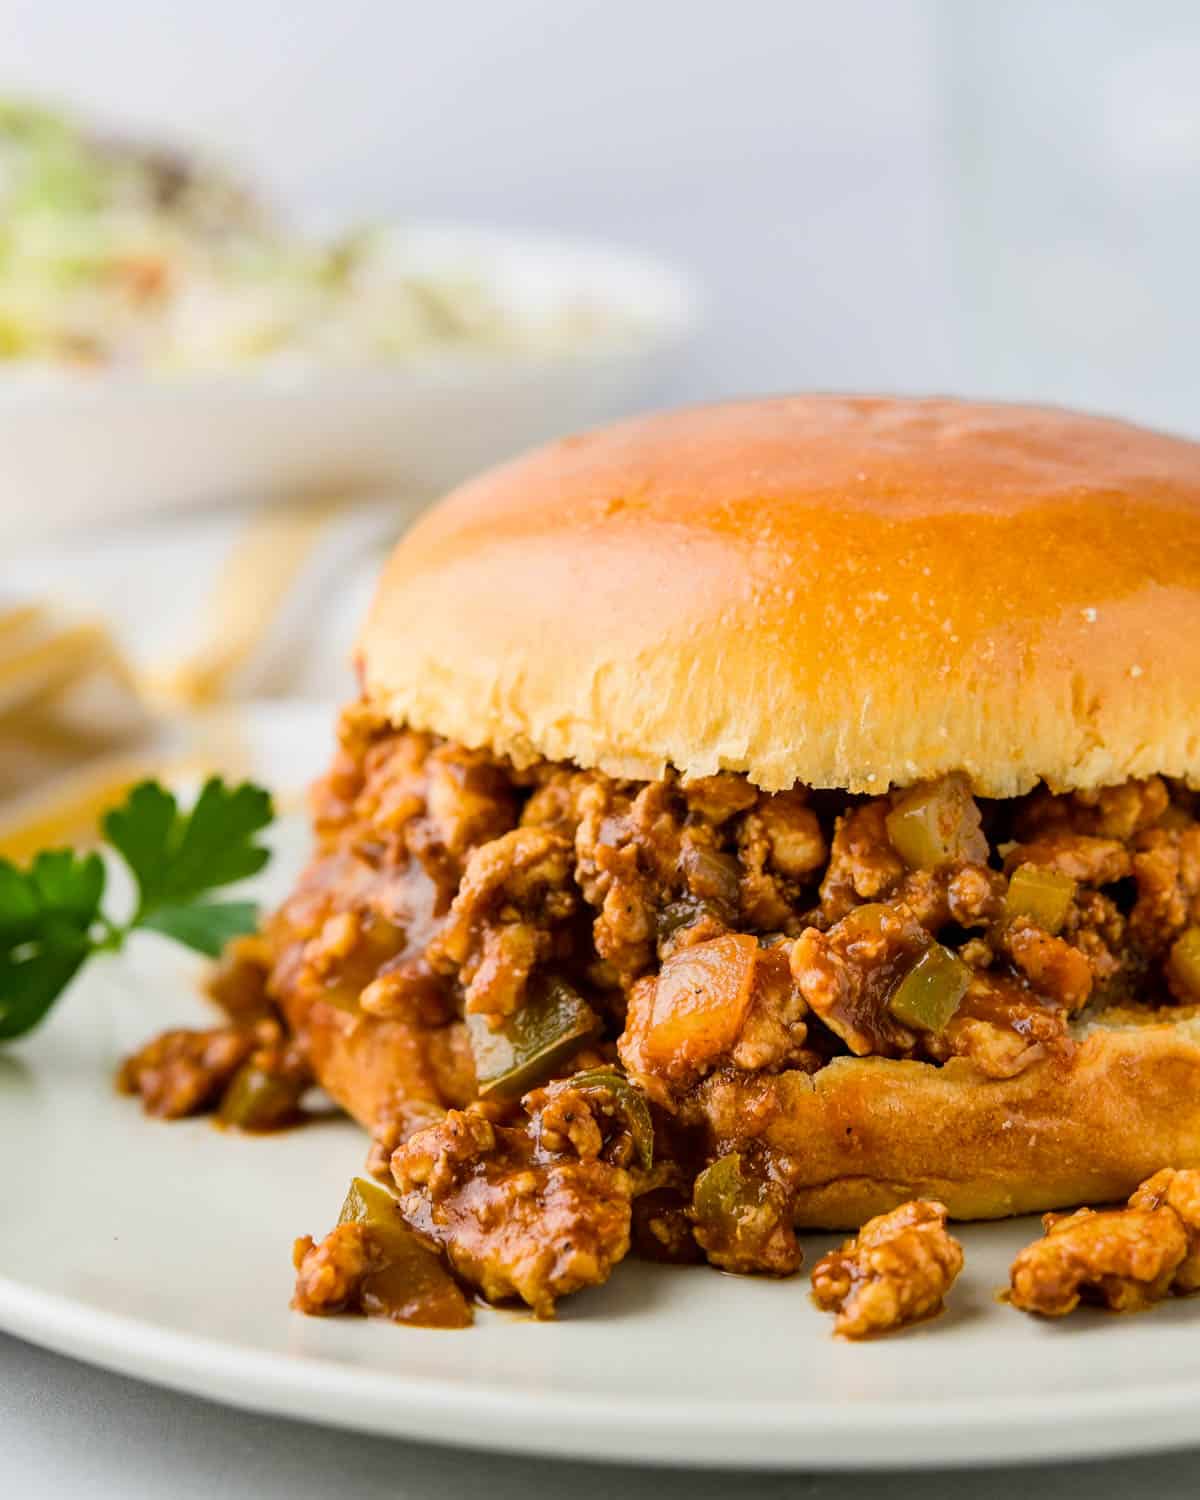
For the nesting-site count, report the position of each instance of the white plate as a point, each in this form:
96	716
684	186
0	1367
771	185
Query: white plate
90	445
163	1251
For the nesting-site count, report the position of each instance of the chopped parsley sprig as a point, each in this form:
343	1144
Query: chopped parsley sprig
51	914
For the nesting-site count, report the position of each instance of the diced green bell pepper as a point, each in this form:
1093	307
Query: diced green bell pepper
629	1100
932	990
1044	896
411	1284
530	1045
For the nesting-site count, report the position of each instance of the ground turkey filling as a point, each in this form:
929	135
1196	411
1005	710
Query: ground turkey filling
567	993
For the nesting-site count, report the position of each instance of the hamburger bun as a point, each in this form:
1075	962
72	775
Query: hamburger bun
857	594
842	593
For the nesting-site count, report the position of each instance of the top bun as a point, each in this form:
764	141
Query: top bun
844	593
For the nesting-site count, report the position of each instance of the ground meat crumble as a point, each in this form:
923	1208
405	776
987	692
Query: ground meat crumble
692	935
896	1270
516	1218
1124	1259
250	1072
330	1275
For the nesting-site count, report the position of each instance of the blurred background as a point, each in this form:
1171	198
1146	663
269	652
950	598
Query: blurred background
895	195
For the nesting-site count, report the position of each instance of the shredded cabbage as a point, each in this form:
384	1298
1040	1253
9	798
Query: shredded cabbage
113	254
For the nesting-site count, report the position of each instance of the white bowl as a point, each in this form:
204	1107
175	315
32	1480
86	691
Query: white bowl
83	446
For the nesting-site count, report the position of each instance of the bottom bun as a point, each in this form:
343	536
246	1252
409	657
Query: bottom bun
865	1134
389	1073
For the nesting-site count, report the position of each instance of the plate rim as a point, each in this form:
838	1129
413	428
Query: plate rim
778	1435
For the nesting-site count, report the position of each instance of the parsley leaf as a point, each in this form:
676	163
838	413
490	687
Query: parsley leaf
47	917
176	857
51	914
206	926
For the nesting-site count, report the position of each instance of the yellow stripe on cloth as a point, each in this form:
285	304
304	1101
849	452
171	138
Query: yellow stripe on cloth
254	583
52	659
15	619
69	810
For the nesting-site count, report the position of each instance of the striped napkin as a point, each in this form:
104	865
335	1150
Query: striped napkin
122	651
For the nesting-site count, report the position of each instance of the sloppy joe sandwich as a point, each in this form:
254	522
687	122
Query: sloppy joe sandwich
758	816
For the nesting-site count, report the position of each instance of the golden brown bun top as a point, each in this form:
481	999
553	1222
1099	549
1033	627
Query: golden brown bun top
840	592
